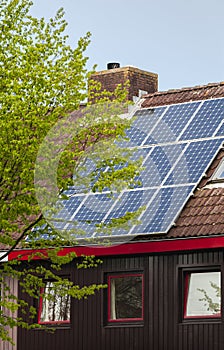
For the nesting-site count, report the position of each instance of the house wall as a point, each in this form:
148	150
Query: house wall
5	345
163	327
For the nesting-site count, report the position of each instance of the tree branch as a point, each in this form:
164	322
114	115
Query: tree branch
28	228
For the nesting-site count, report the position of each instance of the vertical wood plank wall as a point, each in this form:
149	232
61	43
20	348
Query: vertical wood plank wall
4	345
163	329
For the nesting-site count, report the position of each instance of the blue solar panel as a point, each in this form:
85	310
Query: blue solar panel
220	131
142	125
129	201
87	168
172	123
194	162
163	209
66	209
206	121
95	208
92	208
177	144
92	211
160	162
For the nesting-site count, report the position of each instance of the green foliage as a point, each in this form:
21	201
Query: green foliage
88	261
212	306
42	81
42	78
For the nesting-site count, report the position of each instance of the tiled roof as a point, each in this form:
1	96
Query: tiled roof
184	95
203	215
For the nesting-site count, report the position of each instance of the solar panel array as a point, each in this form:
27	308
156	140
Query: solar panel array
177	143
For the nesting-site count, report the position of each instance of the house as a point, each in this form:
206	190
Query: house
165	277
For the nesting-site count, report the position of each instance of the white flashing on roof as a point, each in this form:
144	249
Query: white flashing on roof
214	185
5	259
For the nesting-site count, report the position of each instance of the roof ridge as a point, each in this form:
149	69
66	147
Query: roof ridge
197	87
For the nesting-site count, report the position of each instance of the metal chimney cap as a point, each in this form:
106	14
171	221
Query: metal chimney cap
113	65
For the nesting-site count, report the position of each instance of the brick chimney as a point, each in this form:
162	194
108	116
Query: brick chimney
140	81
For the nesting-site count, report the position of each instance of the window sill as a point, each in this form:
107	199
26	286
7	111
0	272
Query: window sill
200	321
124	325
54	326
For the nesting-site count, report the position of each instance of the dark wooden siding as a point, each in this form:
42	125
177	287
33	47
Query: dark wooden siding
5	345
163	328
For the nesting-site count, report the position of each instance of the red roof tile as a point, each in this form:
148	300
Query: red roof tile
202	215
184	95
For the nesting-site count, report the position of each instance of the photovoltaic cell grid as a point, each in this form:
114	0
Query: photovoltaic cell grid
172	123
220	132
177	144
143	124
206	120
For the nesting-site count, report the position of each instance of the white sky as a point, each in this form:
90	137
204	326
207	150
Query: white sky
181	40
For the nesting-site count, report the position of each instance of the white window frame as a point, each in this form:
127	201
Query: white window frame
196	302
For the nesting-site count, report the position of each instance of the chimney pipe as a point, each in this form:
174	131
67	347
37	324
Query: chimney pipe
113	65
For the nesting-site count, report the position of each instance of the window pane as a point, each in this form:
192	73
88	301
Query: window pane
125	297
219	173
203	297
55	307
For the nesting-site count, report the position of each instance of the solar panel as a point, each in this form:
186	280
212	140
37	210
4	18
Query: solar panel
159	164
177	144
143	124
194	161
206	120
220	131
162	210
172	123
130	201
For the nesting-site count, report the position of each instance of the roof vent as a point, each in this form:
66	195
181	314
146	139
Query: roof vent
113	65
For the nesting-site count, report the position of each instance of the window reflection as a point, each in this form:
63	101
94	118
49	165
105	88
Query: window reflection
125	297
54	307
203	294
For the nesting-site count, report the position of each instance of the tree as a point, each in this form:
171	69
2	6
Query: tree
42	81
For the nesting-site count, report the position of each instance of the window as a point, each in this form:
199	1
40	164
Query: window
202	295
219	173
53	307
125	297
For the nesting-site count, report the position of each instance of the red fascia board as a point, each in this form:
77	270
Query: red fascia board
160	246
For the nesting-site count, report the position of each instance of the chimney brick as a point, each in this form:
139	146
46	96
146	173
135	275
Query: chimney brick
138	80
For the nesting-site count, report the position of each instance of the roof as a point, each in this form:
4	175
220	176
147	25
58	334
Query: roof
203	214
204	92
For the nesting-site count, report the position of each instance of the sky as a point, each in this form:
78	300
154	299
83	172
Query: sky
180	40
